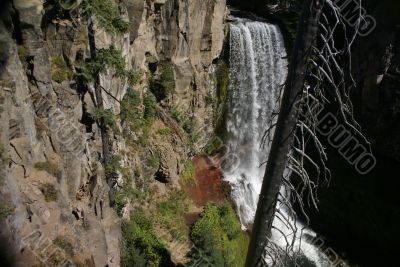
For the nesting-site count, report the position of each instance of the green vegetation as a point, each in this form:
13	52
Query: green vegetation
133	77
163	85
63	243
140	245
2	150
56	9
137	172
222	94
49	167
106	11
150	104
154	159
120	201
49	192
189	125
213	146
107	116
113	165
171	214
128	192
5	211
108	57
107	14
222	82
22	53
105	57
209	99
188	174
131	111
218	237
60	71
164	131
139	117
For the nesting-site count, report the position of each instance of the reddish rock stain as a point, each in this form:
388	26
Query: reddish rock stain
209	186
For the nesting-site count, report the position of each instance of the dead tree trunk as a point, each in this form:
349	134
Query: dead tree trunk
285	128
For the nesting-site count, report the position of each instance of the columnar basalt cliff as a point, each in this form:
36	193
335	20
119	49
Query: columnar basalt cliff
68	78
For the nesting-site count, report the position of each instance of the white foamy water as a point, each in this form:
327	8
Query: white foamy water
258	68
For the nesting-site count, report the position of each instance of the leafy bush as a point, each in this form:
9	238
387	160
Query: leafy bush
49	192
63	243
130	105
189	173
113	165
213	146
106	11
112	57
164	131
171	214
107	116
133	77
176	204
176	114
139	119
5	211
107	14
218	237
140	246
189	125
163	85
107	57
120	201
125	193
131	111
154	160
60	71
192	129
49	167
222	81
150	105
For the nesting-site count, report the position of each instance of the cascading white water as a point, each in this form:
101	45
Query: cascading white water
258	68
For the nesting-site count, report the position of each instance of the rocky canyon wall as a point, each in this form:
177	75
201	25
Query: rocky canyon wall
54	193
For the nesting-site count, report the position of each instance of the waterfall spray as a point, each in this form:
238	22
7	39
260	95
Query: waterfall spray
258	69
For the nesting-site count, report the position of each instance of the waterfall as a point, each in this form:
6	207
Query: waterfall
258	68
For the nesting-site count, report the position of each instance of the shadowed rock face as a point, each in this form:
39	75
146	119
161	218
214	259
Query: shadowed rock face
376	59
359	214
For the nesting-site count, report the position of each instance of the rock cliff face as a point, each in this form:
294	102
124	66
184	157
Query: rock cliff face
190	35
358	213
376	66
54	193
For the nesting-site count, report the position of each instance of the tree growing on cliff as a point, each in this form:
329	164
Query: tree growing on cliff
319	75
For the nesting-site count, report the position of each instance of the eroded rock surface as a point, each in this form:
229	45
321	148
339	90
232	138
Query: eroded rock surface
52	150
